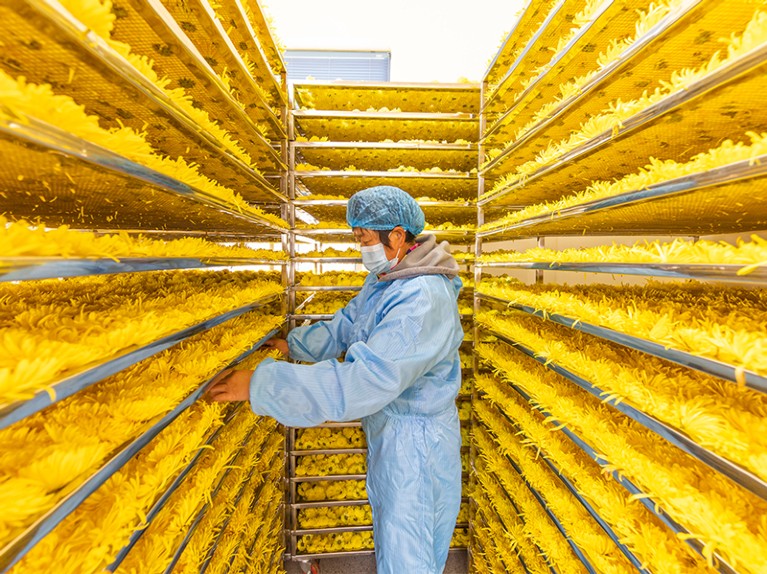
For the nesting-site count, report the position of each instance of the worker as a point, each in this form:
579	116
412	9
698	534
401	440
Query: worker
400	375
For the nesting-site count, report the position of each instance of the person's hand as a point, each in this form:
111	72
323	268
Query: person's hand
230	385
280	344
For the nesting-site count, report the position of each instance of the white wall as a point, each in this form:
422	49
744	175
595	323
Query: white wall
430	40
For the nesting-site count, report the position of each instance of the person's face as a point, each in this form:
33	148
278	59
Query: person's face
368	238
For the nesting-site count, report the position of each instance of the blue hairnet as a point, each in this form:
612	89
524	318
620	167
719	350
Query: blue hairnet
385	207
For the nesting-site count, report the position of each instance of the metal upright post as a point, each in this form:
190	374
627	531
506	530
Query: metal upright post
541	243
475	330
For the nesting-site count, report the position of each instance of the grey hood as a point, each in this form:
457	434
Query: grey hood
429	258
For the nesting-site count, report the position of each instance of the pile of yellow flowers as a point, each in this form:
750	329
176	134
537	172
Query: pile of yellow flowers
463	257
331	464
575	519
724	324
504	534
532	19
224	522
679	251
300	138
560	27
335	516
460	538
23	239
646	20
73	438
326	224
53	328
332	490
22	99
724	518
326	303
653	174
84	330
464	411
254	455
90	538
449	226
497	476
643	533
389	99
339	542
332	278
356	515
381	129
327	438
98	16
618	111
331	252
722	417
465	308
401	168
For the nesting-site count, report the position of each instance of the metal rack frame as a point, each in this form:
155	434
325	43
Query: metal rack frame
102	61
723	567
12	552
89	375
49	138
642	119
592	218
89	42
712	367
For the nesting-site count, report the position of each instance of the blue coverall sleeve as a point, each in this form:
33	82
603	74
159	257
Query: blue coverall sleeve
325	339
413	335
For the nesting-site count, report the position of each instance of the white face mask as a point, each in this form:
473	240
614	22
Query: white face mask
374	259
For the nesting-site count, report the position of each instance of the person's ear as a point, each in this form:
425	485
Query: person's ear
397	237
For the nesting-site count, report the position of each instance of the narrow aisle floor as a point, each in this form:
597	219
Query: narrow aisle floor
456	564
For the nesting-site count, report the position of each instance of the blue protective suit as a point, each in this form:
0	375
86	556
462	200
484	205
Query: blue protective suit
401	375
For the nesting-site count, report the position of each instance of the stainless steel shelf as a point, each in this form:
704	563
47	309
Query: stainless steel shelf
332	530
56	142
240	23
328	504
327	478
387	174
411	116
630	212
712	367
238	500
163	499
310	317
60	390
545	507
519	25
322	231
739	475
320	288
387	146
336	425
530	46
35	268
17	548
348	553
328	260
343	202
639	46
642	119
726	272
554	64
648	502
88	42
200	515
